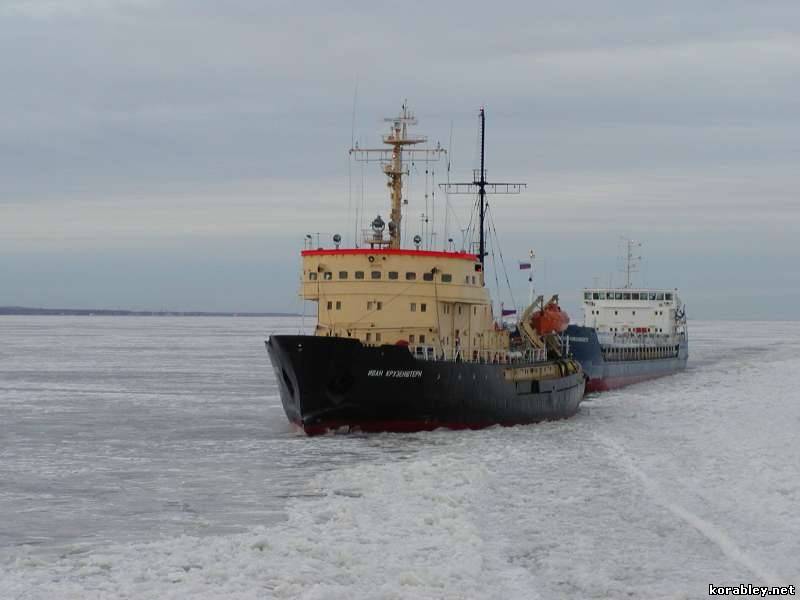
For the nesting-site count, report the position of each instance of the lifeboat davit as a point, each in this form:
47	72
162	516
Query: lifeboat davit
550	320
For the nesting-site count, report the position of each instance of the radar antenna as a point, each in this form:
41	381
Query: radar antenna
392	160
483	187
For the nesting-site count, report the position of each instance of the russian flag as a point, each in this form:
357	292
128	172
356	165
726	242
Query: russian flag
524	265
508	311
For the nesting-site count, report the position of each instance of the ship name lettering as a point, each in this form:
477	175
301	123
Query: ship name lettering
397	374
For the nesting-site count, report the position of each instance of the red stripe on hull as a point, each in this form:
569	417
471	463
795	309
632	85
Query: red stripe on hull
612	383
399	426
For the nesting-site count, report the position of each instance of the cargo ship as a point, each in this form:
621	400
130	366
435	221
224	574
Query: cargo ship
629	335
406	338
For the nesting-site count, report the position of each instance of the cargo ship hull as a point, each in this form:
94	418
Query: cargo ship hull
329	383
603	375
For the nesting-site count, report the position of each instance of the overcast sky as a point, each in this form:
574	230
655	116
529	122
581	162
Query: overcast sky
172	154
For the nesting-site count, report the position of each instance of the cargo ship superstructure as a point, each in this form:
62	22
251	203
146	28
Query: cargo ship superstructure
629	335
406	339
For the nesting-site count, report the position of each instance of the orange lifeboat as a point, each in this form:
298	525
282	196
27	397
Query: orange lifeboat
550	320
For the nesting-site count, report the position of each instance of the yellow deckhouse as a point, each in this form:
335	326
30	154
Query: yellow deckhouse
435	302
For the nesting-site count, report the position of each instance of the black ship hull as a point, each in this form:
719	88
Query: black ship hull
604	375
331	383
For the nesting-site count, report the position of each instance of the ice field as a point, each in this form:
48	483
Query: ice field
150	458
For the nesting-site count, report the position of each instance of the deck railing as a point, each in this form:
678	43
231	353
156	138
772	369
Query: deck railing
499	356
629	353
639	340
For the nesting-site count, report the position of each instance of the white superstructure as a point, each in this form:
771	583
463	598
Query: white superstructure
634	316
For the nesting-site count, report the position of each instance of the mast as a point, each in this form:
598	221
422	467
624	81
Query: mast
483	186
631	261
530	278
392	160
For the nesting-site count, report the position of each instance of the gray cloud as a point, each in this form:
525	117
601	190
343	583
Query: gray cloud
132	125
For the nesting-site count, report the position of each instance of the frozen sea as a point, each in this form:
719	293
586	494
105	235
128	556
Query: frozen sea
150	458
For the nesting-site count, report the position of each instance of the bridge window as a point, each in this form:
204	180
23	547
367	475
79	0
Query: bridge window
626	296
634	295
312	276
618	296
446	278
587	295
595	296
659	296
393	275
342	274
423	307
427	276
411	276
602	295
413	307
668	297
359	274
327	275
375	274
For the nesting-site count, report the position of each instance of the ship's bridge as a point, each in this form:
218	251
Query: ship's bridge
436	300
634	312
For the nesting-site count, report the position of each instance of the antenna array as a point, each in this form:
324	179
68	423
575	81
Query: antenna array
392	161
632	259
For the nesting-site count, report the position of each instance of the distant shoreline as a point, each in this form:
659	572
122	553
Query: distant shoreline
104	312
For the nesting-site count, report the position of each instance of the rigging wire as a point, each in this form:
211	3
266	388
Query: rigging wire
469	232
447	189
350	198
363	196
496	280
350	169
433	208
492	228
425	228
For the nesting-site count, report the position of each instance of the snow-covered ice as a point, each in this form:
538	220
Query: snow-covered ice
149	458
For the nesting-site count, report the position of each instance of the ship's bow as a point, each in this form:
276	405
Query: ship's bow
314	376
